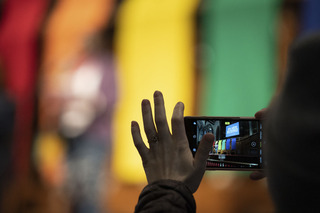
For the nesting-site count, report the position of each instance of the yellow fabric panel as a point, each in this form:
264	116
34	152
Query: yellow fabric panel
155	51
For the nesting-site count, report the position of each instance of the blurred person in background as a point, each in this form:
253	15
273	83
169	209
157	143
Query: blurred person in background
77	96
85	122
292	130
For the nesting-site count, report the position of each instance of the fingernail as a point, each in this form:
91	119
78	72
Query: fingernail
145	102
157	93
181	103
133	123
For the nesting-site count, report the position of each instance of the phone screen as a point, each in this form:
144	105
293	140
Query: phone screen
237	145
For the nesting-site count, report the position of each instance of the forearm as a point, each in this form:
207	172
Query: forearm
166	196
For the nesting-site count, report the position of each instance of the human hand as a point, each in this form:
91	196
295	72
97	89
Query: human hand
258	175
169	155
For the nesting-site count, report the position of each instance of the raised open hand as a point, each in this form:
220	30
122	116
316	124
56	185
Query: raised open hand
169	155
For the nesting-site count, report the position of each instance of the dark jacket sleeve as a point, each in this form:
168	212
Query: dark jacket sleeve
166	196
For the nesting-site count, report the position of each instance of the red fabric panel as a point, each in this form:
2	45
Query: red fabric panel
19	30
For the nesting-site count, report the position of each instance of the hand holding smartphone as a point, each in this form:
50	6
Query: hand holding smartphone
238	141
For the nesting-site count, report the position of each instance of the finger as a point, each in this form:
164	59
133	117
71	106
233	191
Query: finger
203	151
257	175
160	117
148	123
177	123
137	140
261	113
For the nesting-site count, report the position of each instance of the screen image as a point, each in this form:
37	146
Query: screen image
232	129
237	144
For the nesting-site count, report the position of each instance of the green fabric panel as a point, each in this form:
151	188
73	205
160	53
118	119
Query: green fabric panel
238	56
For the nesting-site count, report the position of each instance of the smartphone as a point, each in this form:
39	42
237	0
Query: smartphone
237	145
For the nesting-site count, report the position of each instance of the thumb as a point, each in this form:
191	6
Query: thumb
203	150
200	162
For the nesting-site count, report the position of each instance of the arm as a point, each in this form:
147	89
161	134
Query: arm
166	196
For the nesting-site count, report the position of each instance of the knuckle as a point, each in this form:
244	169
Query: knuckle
175	120
148	130
161	121
181	148
137	144
145	162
